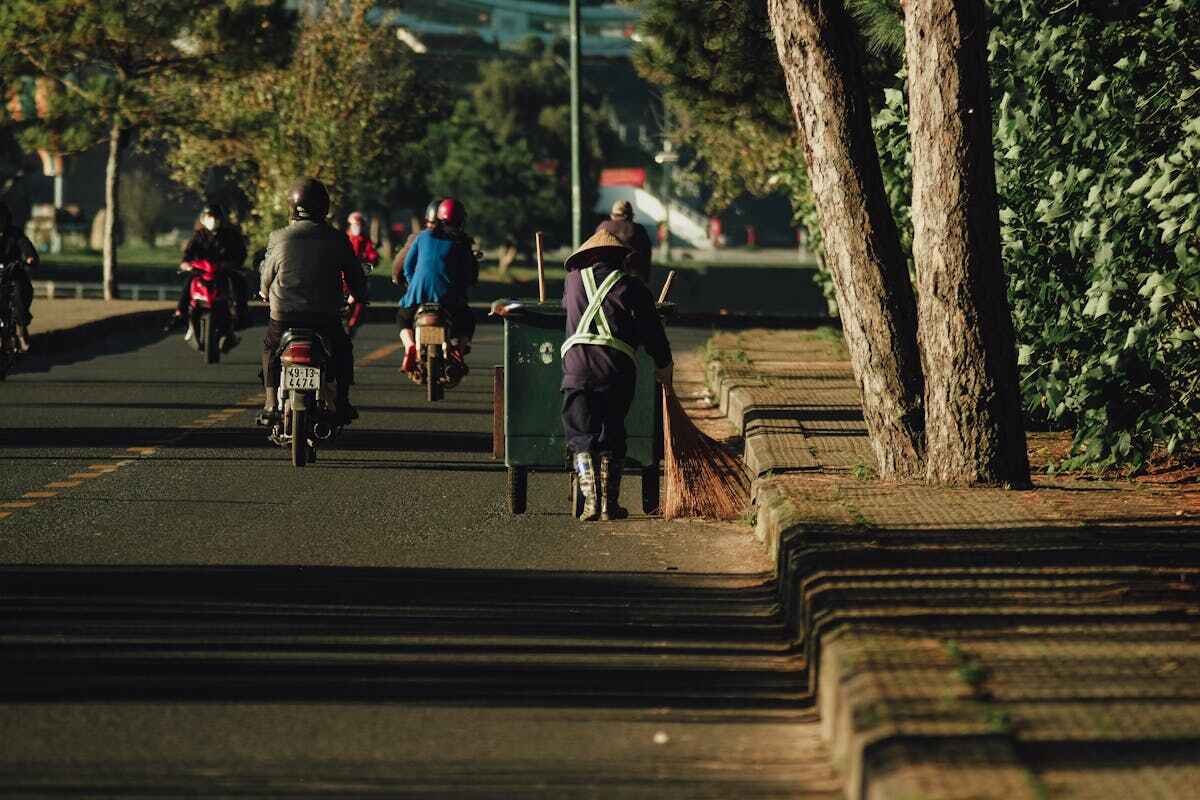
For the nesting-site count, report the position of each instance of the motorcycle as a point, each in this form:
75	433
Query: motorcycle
210	316
10	348
307	410
439	365
353	310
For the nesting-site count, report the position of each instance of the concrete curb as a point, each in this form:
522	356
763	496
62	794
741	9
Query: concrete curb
879	757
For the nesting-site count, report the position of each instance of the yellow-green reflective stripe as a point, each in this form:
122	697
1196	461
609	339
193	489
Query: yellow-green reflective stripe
604	336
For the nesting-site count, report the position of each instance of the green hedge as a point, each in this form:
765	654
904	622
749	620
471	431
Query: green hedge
1097	135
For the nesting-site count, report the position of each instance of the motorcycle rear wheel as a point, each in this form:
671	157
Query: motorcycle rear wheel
299	437
212	344
434	369
8	354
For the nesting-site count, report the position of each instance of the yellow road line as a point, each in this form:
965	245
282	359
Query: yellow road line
19	504
62	485
145	451
380	353
88	475
40	494
105	467
5	514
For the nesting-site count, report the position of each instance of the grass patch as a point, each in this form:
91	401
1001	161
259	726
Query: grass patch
863	472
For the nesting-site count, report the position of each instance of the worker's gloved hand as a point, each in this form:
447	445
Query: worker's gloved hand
664	375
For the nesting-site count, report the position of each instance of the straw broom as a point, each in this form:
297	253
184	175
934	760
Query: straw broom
703	479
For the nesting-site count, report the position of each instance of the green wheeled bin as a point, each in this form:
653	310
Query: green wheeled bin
529	425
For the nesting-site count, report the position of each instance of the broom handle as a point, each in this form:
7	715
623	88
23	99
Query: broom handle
666	290
537	238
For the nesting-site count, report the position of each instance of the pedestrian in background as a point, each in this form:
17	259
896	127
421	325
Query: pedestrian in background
629	233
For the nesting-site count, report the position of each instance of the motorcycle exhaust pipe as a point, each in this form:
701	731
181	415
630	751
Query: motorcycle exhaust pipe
322	430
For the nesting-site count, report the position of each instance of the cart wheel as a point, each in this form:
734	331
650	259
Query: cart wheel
518	487
651	490
576	496
312	454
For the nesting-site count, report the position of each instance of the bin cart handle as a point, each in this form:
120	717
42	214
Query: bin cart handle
666	290
541	265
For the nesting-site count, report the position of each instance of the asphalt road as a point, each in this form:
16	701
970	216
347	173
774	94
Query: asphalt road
138	453
185	612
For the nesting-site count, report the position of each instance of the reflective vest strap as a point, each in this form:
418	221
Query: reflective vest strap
594	312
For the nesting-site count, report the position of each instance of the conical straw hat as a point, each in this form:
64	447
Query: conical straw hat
600	247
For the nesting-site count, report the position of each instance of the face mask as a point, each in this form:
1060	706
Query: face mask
209	222
355	228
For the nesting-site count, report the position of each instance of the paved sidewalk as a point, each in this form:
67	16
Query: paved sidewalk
56	315
974	643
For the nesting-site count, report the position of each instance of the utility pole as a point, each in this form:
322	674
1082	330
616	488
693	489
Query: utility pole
576	193
667	156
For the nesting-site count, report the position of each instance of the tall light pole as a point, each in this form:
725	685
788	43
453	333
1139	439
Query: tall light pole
576	193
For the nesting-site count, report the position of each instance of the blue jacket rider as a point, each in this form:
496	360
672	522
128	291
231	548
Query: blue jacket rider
438	268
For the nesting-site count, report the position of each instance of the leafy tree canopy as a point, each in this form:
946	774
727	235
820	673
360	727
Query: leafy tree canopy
346	109
506	151
106	55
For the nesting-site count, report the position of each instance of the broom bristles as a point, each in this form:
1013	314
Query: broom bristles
703	479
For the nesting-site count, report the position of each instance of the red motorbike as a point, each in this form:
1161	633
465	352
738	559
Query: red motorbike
210	317
353	309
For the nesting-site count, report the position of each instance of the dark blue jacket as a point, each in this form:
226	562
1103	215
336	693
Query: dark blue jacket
629	309
438	269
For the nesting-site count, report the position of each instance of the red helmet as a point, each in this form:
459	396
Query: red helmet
451	212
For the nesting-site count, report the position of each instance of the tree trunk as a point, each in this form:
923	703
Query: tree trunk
112	185
973	426
821	65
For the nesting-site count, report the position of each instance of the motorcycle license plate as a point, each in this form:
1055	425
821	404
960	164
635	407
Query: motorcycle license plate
302	378
430	335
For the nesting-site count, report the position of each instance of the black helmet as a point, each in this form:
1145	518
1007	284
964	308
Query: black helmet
308	199
213	210
431	211
5	215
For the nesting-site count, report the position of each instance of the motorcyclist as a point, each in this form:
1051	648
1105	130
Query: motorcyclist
16	247
216	241
430	222
439	267
365	252
360	242
301	277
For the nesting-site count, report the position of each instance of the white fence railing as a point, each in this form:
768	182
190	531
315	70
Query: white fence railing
125	291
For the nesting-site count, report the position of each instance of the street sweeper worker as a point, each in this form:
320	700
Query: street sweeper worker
610	313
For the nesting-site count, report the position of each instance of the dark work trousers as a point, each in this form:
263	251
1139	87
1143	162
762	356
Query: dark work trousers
24	295
330	326
594	419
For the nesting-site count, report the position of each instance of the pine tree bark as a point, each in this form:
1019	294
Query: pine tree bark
112	184
822	67
973	424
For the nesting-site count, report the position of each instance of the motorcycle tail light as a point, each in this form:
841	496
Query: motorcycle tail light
299	353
